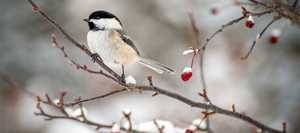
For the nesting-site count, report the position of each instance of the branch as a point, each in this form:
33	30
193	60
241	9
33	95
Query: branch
196	32
231	23
295	4
267	6
73	63
259	35
157	89
292	13
96	98
56	25
14	84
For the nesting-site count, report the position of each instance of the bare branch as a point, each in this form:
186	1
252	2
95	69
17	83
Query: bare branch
56	25
231	23
259	36
292	13
77	65
295	3
261	3
154	88
96	98
15	85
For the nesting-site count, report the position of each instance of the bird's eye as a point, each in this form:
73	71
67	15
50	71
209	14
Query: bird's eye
98	18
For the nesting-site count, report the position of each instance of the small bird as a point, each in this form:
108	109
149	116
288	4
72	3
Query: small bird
108	42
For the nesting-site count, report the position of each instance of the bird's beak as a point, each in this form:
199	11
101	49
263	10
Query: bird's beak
86	20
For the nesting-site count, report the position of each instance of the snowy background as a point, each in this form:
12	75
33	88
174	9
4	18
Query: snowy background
265	86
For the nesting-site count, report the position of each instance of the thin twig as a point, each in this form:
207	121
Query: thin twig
96	98
261	3
15	85
295	3
231	23
292	13
197	35
259	36
77	65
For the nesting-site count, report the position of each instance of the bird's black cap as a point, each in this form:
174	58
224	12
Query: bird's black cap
103	14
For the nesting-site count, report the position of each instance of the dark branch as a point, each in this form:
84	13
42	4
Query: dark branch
231	23
295	4
56	25
157	89
261	3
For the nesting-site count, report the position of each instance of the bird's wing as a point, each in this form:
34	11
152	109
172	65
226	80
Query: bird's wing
127	40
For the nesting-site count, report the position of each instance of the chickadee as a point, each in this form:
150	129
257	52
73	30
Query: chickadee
107	40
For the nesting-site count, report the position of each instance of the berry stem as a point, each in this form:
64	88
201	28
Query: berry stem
193	60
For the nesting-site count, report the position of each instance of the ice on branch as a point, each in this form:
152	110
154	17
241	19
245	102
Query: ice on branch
130	80
115	128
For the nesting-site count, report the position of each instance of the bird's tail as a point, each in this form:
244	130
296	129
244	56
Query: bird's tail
160	68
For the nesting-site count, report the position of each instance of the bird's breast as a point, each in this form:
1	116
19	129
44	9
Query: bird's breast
111	48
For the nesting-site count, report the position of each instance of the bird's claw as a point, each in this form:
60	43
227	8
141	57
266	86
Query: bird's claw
122	79
95	56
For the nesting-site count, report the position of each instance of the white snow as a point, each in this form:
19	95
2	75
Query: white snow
115	128
250	18
130	80
76	112
55	101
188	52
187	69
276	32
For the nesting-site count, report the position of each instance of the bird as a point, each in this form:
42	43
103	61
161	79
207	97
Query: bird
108	42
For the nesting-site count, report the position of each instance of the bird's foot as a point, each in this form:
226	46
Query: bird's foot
122	79
95	56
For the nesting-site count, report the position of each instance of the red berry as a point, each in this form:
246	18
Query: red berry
186	74
250	22
214	10
275	34
273	39
189	131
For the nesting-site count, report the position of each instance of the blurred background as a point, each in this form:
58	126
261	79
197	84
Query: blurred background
265	86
